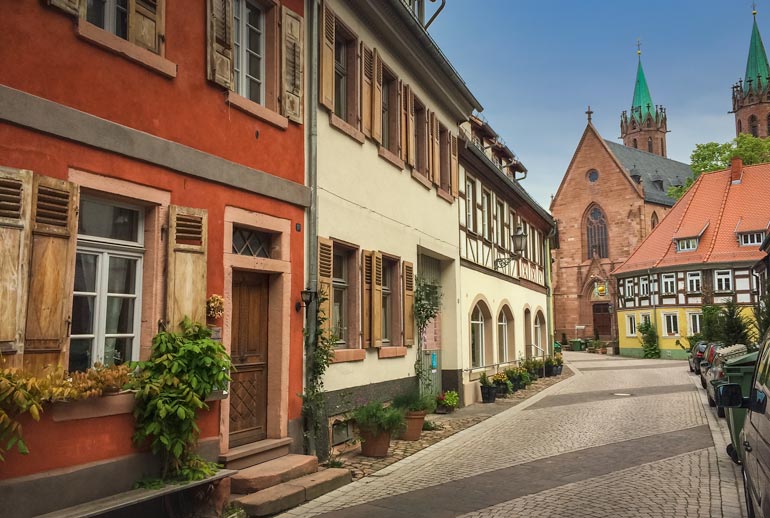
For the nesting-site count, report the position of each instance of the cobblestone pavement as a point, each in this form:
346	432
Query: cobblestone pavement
647	446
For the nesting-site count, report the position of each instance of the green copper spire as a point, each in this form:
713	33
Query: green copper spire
642	103
756	66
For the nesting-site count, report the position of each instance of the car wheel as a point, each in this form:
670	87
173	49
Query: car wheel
702	382
747	496
692	369
720	411
712	403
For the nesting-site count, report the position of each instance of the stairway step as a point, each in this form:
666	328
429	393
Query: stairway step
290	494
272	473
255	453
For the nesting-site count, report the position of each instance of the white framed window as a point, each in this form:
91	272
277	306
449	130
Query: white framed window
477	338
248	49
110	15
106	305
693	282
752	238
629	288
685	245
470	204
340	284
644	286
668	281
388	298
486	215
723	280
645	318
694	321
502	338
671	321
630	325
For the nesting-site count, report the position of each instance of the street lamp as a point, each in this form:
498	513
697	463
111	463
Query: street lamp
307	297
519	241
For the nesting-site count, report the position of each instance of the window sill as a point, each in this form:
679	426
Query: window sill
126	49
422	178
441	193
346	128
390	157
348	355
257	110
391	352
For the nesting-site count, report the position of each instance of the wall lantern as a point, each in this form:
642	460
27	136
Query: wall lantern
307	296
519	240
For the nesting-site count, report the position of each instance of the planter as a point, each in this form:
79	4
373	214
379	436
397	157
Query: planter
501	389
549	370
488	394
557	369
443	409
374	445
414	421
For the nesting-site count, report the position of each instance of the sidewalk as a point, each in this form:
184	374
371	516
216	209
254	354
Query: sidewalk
449	424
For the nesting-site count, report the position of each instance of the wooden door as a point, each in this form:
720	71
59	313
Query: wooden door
602	319
248	392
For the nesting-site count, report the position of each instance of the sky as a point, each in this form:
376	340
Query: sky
535	66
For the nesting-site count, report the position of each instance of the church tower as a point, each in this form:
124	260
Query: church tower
645	128
751	96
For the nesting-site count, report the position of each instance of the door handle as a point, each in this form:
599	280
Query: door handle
746	446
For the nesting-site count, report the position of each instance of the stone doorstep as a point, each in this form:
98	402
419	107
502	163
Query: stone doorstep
272	473
294	492
255	453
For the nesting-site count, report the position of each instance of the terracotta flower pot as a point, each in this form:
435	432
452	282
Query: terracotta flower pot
414	421
374	445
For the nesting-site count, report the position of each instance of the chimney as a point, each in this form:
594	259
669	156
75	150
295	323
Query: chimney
736	169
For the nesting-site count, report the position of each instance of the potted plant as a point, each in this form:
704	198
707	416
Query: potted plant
514	377
503	386
415	407
548	364
488	389
558	361
447	401
376	423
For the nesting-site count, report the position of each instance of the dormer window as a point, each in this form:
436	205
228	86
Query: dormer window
751	238
685	245
496	160
658	184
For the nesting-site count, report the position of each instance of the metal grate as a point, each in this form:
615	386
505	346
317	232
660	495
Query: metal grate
10	198
251	242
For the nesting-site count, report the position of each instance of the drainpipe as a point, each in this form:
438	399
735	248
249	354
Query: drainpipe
549	289
311	230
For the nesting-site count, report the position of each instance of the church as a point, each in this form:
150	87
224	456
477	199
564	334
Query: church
611	196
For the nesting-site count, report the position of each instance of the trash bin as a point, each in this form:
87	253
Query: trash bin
577	345
556	348
739	370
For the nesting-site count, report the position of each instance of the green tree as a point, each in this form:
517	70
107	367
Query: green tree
736	328
762	312
711	323
649	340
713	156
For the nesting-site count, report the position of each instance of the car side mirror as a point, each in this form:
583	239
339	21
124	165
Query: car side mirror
729	395
758	401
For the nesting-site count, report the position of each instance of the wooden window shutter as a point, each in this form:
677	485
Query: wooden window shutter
367	78
219	62
408	277
376	299
15	207
366	296
292	65
454	166
434	150
409	131
377	99
327	58
402	118
145	24
325	274
186	270
68	6
51	268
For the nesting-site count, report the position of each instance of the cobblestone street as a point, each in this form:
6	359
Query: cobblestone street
622	437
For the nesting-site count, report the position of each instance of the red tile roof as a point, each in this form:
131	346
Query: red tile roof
721	206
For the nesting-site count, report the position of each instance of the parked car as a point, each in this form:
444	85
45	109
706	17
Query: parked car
714	377
755	435
695	356
708	358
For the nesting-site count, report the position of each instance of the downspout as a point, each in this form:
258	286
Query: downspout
311	317
549	291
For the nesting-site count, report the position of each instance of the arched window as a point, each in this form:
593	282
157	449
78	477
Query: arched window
477	337
654	220
662	147
540	332
527	333
740	126
502	338
649	144
754	125
635	145
596	233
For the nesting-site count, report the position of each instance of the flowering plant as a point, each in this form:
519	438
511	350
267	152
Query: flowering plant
500	377
215	306
449	398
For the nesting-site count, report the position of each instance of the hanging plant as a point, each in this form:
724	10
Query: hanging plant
215	306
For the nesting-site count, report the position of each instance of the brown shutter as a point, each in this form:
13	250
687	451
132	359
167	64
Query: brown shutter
409	131
52	265
377	99
186	272
367	78
325	274
68	6
454	169
145	24
401	119
366	296
292	65
435	150
15	207
408	303
220	42
377	299
327	58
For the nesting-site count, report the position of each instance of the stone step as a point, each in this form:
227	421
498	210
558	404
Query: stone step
255	453
272	473
290	494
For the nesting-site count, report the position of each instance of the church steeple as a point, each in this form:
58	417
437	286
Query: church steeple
646	126
751	95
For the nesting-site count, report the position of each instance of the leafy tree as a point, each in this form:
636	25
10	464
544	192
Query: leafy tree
649	340
711	323
713	156
762	312
736	328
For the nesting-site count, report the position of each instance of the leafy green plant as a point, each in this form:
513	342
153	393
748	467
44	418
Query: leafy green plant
558	359
448	398
183	369
649	339
427	304
526	379
429	426
549	362
375	418
762	312
736	328
484	380
412	401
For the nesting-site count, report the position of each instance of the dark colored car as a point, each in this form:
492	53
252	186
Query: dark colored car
755	435
695	356
715	376
708	357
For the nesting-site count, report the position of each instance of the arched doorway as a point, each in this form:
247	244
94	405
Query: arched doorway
527	333
482	327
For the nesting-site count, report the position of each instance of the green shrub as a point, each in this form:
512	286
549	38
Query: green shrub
649	340
412	401
448	398
375	418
